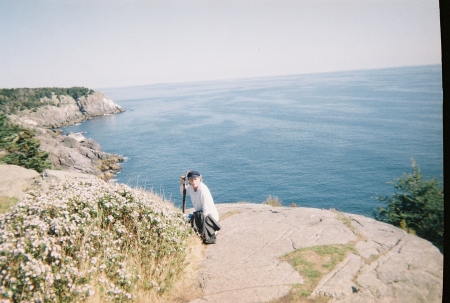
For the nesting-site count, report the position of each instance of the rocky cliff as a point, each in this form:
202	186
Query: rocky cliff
75	153
65	111
72	152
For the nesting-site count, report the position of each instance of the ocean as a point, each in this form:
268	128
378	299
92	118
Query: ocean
329	140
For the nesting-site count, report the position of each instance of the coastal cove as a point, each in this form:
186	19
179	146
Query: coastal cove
324	140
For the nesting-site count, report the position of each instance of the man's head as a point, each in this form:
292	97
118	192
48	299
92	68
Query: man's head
194	178
193	174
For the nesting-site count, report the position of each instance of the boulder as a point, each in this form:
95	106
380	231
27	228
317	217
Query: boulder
14	180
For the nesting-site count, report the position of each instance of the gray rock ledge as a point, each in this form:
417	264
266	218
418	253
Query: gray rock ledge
244	266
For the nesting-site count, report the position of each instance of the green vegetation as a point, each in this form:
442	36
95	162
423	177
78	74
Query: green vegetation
16	99
313	263
229	214
273	201
347	221
417	207
6	203
90	240
20	147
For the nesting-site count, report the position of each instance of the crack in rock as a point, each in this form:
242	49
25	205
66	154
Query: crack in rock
293	244
357	222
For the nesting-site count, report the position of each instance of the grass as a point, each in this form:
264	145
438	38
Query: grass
229	214
273	201
186	288
347	221
6	203
344	219
313	263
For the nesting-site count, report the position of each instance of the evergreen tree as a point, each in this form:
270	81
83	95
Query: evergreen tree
417	207
21	147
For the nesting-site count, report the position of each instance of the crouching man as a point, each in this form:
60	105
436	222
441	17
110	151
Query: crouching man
205	219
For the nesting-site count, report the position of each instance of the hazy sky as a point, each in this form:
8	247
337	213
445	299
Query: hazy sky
112	43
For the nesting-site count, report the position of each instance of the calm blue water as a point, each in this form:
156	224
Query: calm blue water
320	140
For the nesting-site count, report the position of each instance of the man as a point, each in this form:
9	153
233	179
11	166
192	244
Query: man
200	195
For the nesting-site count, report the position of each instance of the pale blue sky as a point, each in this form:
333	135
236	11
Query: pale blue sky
100	44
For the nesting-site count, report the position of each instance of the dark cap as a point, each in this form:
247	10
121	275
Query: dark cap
193	174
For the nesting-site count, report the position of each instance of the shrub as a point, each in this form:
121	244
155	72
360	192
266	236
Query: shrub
88	237
273	201
21	146
417	207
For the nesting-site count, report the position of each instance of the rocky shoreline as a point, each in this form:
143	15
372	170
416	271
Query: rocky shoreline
72	152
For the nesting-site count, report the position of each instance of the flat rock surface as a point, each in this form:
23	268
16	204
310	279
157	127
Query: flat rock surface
15	180
244	265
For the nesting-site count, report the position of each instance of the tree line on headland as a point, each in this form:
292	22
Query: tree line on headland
16	99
